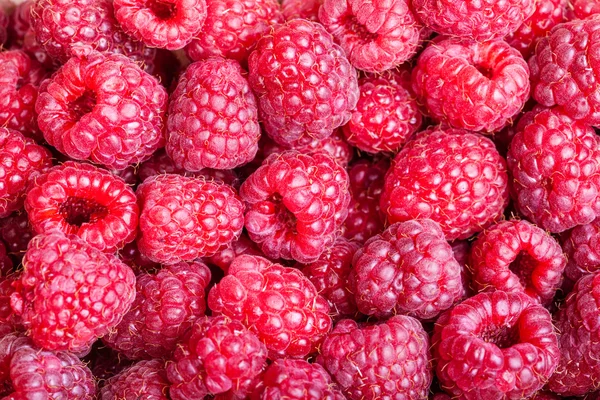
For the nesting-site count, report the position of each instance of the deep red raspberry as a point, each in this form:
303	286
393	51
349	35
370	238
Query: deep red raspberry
186	218
145	380
213	117
104	108
303	81
278	303
471	85
555	167
233	27
305	9
16	232
20	23
219	355
495	346
296	205
582	9
6	264
225	257
387	360
86	201
454	177
70	293
582	248
376	36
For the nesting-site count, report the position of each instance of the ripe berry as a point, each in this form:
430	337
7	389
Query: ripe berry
582	247
20	22
225	257
145	380
16	232
304	9
582	9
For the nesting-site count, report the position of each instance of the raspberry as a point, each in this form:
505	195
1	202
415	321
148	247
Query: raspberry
296	205
311	93
474	20
145	380
376	36
555	165
4	26
471	85
387	360
225	257
582	9
86	201
453	177
296	380
284	309
582	248
104	108
16	232
20	23
139	263
185	218
233	27
37	52
21	161
70	293
6	264
213	121
219	355
495	346
303	9
8	318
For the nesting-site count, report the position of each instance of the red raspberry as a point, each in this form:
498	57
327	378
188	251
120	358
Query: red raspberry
582	248
582	9
8	318
555	165
213	121
37	52
21	161
16	232
296	380
304	9
376	36
145	380
86	201
233	27
20	23
6	264
296	205
495	346
456	178
225	257
104	108
387	360
303	81
471	85
70	293
277	303
185	218
219	355
139	263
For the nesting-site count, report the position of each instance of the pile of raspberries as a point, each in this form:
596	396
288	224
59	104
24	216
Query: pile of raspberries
299	199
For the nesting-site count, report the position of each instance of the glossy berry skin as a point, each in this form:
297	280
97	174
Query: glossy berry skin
376	36
555	167
279	304
581	246
219	355
21	161
319	94
495	345
305	9
144	380
478	86
296	205
186	218
70	293
451	176
167	303
103	108
387	360
213	117
86	201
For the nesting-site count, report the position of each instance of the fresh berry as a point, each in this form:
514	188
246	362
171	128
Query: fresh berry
387	360
186	218
296	205
376	36
451	176
16	232
582	248
37	52
478	86
145	380
104	108
582	9
303	81
495	346
278	303
70	293
8	318
20	22
139	263
304	9
225	257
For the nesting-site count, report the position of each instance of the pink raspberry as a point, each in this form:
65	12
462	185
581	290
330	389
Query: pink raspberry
296	205
495	346
104	108
304	9
451	176
213	117
478	86
376	36
311	93
582	248
145	380
387	360
225	257
279	304
185	218
36	51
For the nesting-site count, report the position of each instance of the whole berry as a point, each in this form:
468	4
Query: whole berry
144	380
304	9
279	304
582	248
303	81
387	360
296	205
451	176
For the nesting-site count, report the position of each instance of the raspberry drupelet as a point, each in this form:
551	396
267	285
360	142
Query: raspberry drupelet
582	9
144	380
582	248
